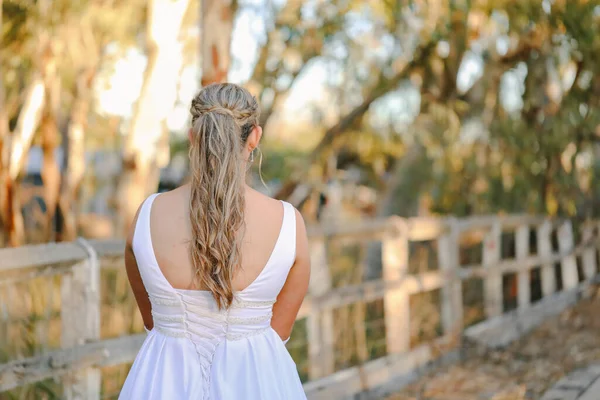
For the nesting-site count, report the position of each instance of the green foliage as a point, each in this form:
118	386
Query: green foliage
278	162
532	161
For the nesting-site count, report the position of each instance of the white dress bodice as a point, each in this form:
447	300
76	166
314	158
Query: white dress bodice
185	319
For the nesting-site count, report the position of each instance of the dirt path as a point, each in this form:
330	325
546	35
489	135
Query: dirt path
527	368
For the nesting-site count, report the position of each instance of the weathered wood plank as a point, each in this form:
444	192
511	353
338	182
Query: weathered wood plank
511	266
589	254
502	330
413	284
34	256
80	302
396	301
49	254
452	302
376	373
507	222
493	282
544	247
14	276
41	255
320	328
523	281
370	291
58	363
108	247
568	262
591	393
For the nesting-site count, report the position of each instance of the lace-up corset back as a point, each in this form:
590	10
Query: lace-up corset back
193	314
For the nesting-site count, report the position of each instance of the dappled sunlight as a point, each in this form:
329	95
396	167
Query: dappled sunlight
443	154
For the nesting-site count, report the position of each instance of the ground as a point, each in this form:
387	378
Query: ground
527	368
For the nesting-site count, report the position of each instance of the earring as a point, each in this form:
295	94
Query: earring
251	158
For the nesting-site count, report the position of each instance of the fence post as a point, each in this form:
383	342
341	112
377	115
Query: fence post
396	302
544	246
80	317
493	279
522	251
320	327
589	253
568	263
452	303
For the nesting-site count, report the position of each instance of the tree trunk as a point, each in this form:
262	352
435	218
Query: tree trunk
141	159
14	151
4	153
50	169
215	36
50	174
27	124
74	150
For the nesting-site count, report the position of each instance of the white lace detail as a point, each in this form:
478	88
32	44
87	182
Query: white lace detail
164	302
171	333
237	303
167	318
244	335
250	320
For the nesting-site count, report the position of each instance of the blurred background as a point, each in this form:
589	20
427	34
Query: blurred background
370	109
384	106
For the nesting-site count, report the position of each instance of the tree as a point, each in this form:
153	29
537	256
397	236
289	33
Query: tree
89	48
46	50
527	160
16	142
141	155
215	35
386	81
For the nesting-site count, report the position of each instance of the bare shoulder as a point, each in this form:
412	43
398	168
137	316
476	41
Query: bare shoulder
300	226
171	209
262	204
261	199
302	251
165	201
161	204
268	203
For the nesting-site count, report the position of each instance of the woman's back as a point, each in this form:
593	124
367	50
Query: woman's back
195	350
218	270
171	234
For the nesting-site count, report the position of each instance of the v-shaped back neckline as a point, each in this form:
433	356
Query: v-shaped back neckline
147	213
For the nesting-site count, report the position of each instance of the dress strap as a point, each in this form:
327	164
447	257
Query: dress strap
289	228
141	236
152	276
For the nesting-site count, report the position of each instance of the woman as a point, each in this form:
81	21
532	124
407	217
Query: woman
218	270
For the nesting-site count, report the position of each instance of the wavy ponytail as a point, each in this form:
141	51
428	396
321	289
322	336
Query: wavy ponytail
223	116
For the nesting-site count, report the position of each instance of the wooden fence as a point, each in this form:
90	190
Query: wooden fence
559	267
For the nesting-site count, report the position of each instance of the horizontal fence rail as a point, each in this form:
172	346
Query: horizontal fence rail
557	254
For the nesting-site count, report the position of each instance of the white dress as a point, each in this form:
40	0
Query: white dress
195	351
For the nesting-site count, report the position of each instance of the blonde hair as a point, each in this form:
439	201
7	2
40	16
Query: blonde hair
223	116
